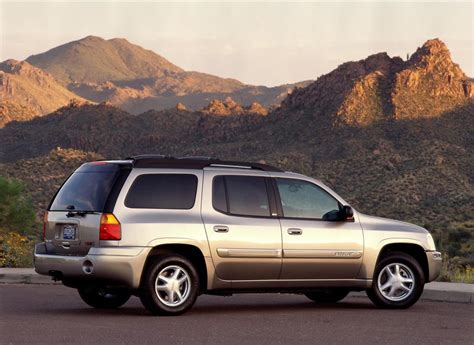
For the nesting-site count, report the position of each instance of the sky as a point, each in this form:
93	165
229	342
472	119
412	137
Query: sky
261	43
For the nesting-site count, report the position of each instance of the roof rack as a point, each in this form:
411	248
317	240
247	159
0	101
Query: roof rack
198	162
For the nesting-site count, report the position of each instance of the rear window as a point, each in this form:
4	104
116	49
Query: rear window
84	191
163	191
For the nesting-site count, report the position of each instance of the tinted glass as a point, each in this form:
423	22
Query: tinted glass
247	195
219	201
86	191
165	191
301	199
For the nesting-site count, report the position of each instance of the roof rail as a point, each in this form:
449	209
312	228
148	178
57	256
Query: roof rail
149	155
162	161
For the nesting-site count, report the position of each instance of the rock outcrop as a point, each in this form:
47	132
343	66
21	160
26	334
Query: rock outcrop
380	88
231	107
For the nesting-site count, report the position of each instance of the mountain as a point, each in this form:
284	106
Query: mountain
135	79
383	88
393	137
27	91
93	59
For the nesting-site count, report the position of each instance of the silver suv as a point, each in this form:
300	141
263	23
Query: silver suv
168	229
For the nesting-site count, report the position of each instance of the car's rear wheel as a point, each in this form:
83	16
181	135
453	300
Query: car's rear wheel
104	298
327	295
398	281
170	285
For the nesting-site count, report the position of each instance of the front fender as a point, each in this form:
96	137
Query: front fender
374	246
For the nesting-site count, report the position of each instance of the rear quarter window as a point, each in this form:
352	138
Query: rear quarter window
163	191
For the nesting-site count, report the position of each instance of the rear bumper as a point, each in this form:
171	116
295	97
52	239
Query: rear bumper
435	261
115	266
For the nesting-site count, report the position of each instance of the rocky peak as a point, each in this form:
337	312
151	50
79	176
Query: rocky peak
430	83
433	47
434	55
380	88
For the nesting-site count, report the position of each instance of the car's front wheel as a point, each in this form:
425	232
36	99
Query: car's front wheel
170	285
398	281
333	295
104	298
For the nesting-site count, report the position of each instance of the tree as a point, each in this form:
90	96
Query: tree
16	209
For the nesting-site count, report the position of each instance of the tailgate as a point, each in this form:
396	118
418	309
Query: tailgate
73	235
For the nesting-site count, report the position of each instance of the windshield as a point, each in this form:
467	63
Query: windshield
84	191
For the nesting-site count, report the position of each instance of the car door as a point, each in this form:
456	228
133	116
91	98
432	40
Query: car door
315	247
244	237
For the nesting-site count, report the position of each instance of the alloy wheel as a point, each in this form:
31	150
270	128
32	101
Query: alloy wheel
173	285
396	282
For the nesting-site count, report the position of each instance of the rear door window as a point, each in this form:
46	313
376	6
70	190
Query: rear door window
241	195
163	191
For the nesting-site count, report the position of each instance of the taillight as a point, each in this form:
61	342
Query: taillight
45	224
110	227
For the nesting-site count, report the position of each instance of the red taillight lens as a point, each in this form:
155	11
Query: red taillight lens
110	227
45	225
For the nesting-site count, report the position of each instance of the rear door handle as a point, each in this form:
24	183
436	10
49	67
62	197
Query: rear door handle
221	228
295	231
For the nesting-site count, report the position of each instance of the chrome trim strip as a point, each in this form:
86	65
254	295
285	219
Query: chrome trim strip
248	253
322	253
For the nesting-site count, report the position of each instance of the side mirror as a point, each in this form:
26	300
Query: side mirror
347	213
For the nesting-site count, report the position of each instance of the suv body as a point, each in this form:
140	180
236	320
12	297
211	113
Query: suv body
168	229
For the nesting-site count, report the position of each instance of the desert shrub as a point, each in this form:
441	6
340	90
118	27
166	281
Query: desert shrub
455	270
15	249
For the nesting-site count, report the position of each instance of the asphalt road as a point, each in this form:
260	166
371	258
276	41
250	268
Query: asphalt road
55	314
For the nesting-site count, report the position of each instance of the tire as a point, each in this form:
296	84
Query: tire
179	282
407	287
104	299
333	295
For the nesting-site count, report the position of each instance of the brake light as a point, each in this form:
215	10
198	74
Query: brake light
110	227
45	224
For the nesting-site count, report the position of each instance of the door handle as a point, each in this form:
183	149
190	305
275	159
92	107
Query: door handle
295	231
221	228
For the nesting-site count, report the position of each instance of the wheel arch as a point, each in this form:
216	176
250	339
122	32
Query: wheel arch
415	250
190	251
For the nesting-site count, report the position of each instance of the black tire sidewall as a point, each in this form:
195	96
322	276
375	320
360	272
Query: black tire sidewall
376	296
147	289
92	297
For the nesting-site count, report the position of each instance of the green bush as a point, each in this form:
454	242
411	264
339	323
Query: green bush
16	209
17	225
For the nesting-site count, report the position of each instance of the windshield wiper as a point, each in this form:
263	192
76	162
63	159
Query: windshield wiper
80	213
